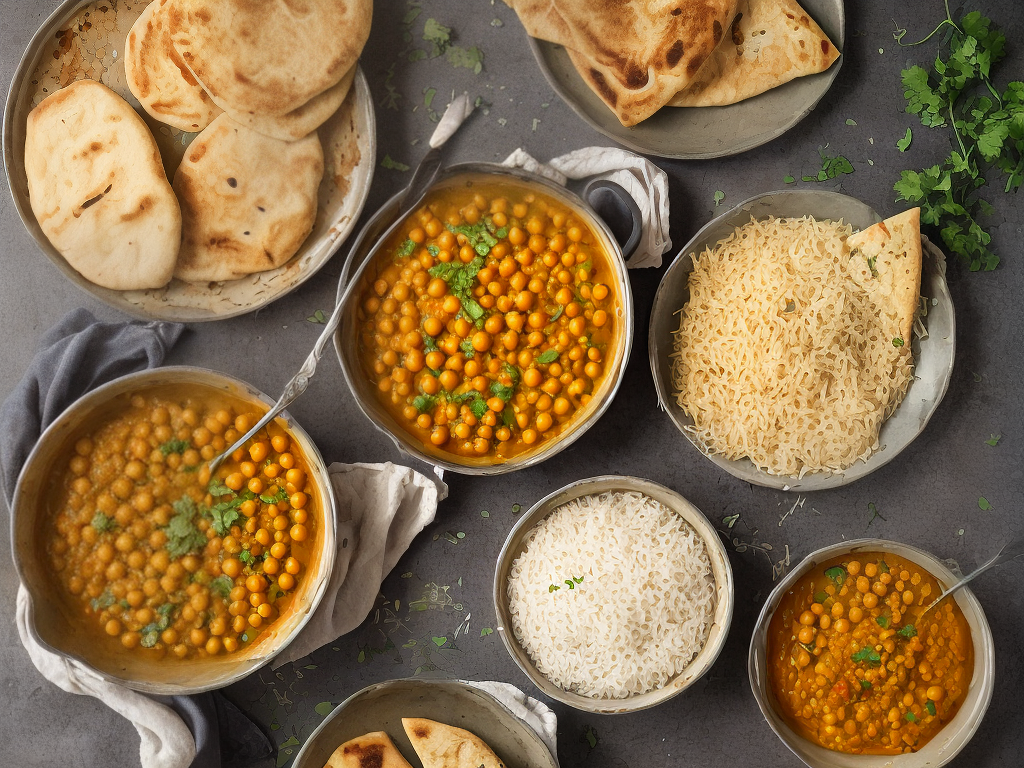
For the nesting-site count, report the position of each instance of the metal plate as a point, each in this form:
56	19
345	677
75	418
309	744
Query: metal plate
700	133
515	544
953	737
84	40
381	707
933	356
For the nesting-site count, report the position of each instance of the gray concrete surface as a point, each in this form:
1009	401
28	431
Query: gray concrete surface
928	497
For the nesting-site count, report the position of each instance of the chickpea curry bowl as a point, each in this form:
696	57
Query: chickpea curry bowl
152	570
488	328
853	666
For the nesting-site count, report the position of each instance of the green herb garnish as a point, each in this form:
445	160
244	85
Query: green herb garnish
424	403
216	488
393	165
502	391
820	597
102	523
182	535
477	235
867	654
865	685
830	167
222	586
175	446
993	440
460	278
836	574
984	504
882	621
908	631
897	342
911	717
930	706
883	566
277	498
467	348
103	601
904	143
224	515
429	343
547	356
405	249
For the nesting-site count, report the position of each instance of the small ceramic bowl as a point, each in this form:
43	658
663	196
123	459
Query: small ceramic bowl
381	707
944	746
721	570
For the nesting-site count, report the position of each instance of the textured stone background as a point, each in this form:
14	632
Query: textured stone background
929	496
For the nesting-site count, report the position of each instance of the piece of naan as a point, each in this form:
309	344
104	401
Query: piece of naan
247	201
158	77
268	57
886	263
372	750
98	188
445	746
302	121
770	43
634	54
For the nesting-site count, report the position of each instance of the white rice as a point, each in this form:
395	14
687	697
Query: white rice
642	611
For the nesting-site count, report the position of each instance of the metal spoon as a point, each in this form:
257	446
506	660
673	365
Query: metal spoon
1011	550
424	175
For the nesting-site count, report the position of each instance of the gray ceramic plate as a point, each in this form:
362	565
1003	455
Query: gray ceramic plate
381	707
699	133
66	48
933	356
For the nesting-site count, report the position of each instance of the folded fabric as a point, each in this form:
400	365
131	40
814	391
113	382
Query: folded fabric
533	712
645	182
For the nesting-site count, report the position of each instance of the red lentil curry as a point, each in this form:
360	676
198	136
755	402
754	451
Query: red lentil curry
488	321
162	558
854	670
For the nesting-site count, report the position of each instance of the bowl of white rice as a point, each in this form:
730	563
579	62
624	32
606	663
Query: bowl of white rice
613	594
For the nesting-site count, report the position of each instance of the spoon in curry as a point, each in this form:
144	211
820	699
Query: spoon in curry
424	175
1010	550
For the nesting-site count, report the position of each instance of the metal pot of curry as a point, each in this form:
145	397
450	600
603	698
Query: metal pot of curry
142	564
490	327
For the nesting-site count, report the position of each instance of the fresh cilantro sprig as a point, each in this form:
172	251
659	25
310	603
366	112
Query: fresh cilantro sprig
103	523
987	125
182	534
460	278
831	167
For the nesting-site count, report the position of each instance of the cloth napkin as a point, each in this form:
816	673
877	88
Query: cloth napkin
642	179
381	509
531	711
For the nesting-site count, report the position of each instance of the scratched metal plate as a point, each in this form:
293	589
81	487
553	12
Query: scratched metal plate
933	356
84	40
701	133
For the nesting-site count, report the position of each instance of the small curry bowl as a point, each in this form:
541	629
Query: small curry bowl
721	570
945	744
58	626
368	250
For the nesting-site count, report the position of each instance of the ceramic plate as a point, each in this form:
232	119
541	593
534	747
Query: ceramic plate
381	707
85	40
700	133
933	356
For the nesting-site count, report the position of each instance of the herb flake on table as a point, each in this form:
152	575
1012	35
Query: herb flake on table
831	167
984	504
317	318
993	440
874	513
988	131
903	144
718	197
393	165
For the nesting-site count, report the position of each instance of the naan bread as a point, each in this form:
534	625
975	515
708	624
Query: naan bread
771	42
634	54
98	188
444	746
373	750
247	201
158	77
302	121
886	263
268	56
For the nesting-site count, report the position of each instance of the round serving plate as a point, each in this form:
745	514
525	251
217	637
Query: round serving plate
85	40
933	355
701	133
942	747
365	248
58	628
382	706
515	544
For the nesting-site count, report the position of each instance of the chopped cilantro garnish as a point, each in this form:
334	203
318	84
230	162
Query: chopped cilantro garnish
102	523
103	601
477	235
224	515
836	574
867	654
911	717
904	143
393	165
830	167
467	348
216	488
897	342
865	685
424	403
908	631
175	446
993	440
502	391
405	249
429	343
547	356
882	621
182	535
930	706
222	586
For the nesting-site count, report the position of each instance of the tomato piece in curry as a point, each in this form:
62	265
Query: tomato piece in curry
854	666
488	320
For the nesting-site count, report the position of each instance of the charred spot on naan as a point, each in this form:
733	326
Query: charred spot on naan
370	756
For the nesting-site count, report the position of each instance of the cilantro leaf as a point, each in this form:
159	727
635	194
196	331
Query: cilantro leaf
502	391
424	403
836	574
393	165
930	706
102	523
477	235
224	515
478	407
718	197
831	167
911	717
867	654
908	631
182	534
984	504
904	143
467	348
547	356
882	621
993	440
405	249
216	488
105	600
175	446
222	586
865	685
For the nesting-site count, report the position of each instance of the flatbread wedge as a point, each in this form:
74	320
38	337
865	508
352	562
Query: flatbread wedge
444	746
158	77
886	263
770	43
372	750
98	188
635	55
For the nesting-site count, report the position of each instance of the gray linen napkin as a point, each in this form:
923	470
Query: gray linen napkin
76	356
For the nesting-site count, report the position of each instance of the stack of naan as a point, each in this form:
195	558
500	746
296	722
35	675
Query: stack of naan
437	745
641	55
256	79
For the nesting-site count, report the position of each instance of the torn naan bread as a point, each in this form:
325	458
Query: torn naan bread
247	201
98	189
445	746
886	263
634	54
158	77
371	750
770	43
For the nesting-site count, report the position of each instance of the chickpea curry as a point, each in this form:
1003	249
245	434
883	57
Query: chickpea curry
854	666
160	556
488	320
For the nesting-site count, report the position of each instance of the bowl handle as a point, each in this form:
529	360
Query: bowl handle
619	211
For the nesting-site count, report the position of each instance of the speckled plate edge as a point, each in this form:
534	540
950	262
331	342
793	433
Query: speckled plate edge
530	752
933	357
217	302
667	133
